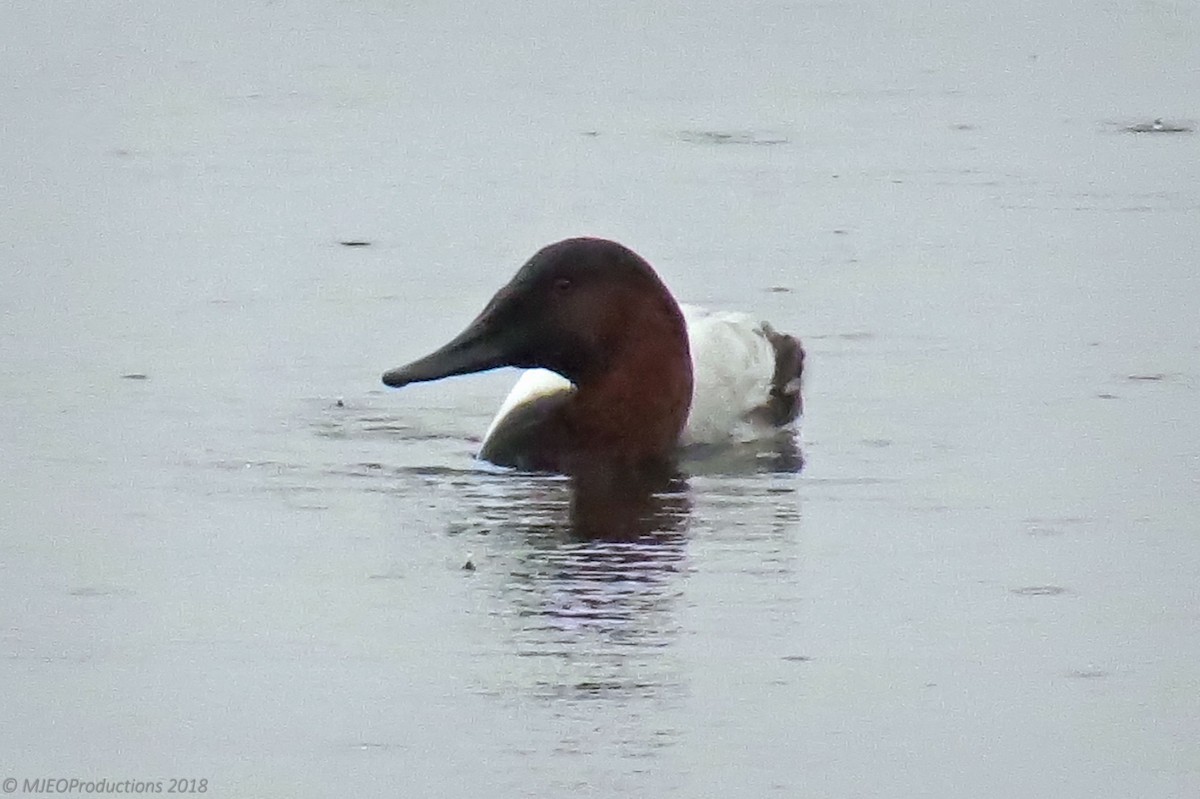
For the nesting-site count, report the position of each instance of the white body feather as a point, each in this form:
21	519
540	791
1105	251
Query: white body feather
732	366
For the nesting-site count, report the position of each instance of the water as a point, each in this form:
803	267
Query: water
983	582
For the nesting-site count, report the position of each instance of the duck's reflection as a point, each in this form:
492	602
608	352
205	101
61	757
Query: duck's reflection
587	577
587	573
602	508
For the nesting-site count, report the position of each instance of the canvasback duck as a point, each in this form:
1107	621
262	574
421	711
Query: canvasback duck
613	361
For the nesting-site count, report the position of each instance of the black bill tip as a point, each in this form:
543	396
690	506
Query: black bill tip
397	378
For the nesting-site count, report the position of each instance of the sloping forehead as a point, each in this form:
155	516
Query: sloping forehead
584	258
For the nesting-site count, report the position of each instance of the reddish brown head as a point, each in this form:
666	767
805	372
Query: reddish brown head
596	313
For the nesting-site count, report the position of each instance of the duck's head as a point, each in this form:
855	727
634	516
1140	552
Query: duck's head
575	308
596	313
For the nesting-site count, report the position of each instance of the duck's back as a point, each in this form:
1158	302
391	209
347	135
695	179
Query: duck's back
732	366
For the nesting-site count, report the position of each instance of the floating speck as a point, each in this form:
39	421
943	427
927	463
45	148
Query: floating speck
135	376
355	243
1148	378
98	590
731	137
1158	126
1041	590
779	290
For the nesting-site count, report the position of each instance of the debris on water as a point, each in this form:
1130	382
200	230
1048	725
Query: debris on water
1041	590
469	566
135	376
798	658
355	243
340	403
90	590
1158	126
756	138
779	290
1148	378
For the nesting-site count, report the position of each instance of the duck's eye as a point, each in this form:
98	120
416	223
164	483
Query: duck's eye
562	285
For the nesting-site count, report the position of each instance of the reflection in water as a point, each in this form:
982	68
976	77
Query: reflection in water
778	454
588	589
627	511
587	576
601	614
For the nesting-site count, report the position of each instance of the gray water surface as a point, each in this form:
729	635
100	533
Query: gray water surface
984	581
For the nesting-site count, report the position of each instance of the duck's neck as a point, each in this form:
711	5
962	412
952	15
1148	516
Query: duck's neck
634	410
623	418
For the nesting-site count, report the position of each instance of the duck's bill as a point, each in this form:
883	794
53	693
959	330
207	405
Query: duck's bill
476	349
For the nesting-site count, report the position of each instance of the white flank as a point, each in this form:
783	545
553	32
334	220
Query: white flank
732	366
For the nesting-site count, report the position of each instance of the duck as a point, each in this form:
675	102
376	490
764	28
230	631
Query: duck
619	376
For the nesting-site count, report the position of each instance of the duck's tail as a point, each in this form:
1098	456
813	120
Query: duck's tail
786	396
